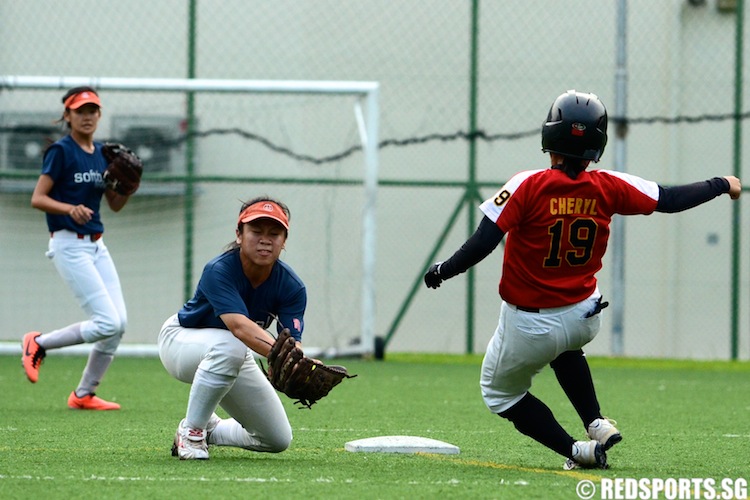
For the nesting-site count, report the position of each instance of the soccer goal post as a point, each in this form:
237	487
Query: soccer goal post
366	118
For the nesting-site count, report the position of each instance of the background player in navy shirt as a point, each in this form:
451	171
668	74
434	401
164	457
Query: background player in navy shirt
209	343
69	191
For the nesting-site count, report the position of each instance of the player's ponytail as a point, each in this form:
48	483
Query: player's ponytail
572	166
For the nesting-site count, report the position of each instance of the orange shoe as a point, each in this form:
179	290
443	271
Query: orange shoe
90	402
32	355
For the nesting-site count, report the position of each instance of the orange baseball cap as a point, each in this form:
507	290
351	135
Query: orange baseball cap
77	100
264	209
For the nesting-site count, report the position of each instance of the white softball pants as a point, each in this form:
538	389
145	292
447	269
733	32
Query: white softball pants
526	342
259	421
89	271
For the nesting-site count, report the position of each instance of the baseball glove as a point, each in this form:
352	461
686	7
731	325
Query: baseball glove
301	378
124	169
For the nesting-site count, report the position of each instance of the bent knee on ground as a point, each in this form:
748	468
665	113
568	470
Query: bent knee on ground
276	441
278	444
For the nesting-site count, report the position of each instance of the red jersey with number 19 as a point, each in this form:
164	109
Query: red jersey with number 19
557	230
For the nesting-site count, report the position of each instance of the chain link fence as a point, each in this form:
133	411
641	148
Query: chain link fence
681	115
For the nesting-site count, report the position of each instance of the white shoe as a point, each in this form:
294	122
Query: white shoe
604	431
190	444
587	455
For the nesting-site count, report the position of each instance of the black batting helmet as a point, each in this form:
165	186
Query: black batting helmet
576	126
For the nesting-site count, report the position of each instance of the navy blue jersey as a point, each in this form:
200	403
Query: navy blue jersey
224	288
77	177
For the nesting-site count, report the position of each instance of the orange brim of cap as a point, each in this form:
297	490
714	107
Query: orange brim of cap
77	100
264	210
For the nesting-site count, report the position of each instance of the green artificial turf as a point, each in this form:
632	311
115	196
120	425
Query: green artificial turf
679	420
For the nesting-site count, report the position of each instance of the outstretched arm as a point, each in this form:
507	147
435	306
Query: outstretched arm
479	245
252	335
679	198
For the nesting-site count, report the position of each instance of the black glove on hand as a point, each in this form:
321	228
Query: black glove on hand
432	277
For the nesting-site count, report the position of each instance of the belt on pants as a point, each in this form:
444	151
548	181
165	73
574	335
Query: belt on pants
528	309
93	236
600	304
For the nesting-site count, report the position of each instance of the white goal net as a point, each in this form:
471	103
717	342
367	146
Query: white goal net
207	146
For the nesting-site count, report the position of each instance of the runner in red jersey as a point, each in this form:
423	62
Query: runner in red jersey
557	225
558	229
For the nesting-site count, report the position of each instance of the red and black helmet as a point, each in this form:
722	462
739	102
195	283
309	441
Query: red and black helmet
576	126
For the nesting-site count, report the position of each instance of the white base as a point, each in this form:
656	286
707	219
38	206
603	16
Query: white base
401	444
